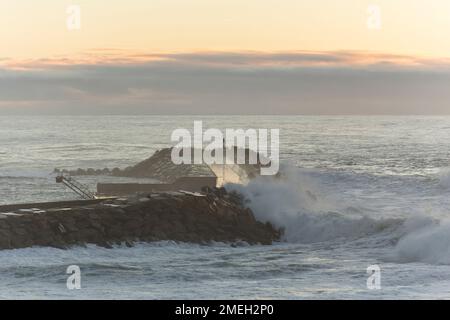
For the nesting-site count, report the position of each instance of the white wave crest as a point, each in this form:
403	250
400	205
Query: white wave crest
294	202
429	243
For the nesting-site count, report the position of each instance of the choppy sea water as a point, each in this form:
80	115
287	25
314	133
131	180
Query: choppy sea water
358	191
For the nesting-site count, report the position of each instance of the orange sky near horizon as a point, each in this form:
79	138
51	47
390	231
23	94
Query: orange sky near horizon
37	30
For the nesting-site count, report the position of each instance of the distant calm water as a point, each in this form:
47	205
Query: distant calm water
360	191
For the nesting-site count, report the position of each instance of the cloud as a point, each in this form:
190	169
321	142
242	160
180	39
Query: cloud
111	82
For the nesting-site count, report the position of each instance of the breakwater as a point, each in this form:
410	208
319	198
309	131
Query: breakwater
213	215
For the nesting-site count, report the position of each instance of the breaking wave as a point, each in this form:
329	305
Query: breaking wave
430	243
294	203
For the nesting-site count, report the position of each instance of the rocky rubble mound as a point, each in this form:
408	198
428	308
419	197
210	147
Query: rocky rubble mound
214	215
159	166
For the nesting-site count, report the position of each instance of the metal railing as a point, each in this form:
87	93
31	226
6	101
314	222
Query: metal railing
77	187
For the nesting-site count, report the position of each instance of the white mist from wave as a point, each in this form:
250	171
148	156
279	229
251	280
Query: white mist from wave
295	203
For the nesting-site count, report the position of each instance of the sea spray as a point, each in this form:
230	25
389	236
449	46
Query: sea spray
293	201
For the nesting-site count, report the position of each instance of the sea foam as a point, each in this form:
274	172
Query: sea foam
294	202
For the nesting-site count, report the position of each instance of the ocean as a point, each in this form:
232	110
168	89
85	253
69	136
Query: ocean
358	191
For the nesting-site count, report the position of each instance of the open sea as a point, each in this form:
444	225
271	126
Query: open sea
358	191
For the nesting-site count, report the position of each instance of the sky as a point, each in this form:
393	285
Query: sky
225	57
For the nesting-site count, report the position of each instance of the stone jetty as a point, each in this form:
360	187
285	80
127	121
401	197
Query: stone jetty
213	215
